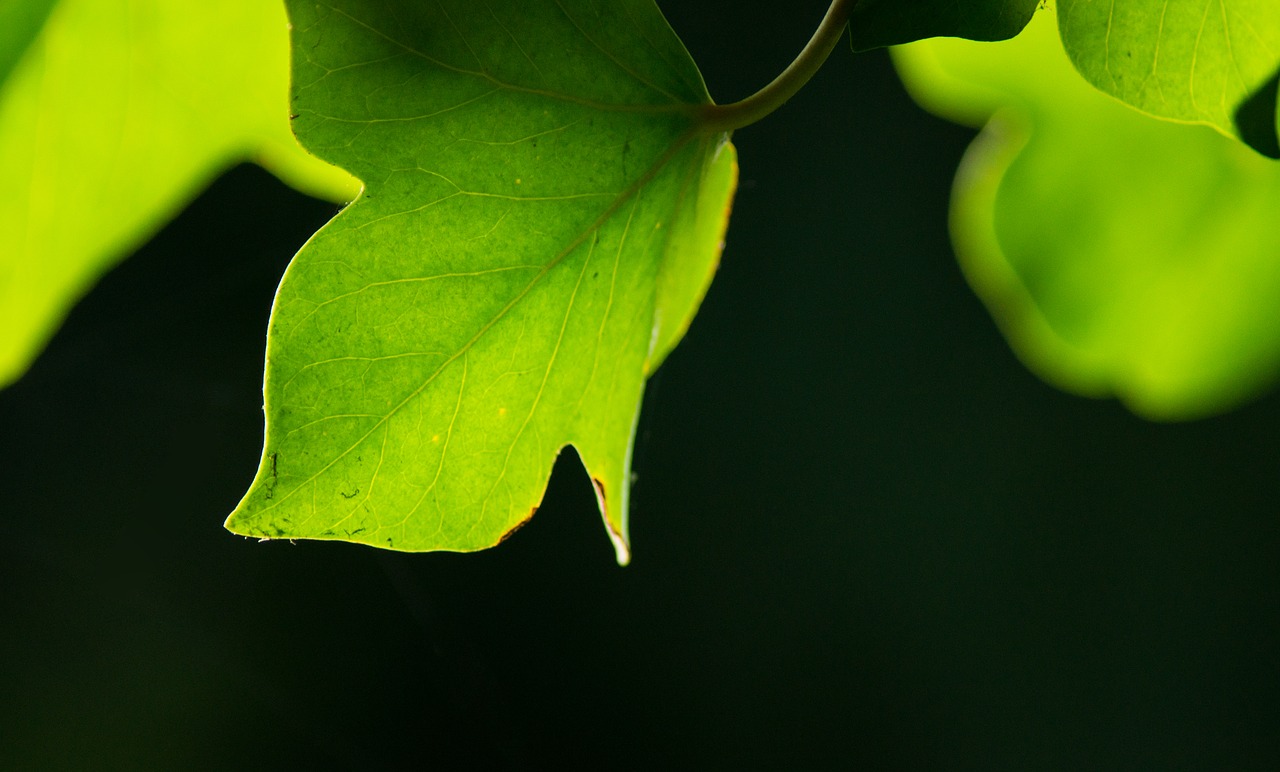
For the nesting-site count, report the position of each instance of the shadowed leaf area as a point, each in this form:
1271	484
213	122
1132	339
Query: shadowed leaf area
1121	255
878	23
541	218
19	24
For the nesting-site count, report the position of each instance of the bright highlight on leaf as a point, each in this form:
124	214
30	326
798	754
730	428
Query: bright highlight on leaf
114	117
541	218
1188	60
1120	254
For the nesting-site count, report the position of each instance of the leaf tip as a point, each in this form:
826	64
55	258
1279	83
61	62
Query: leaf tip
621	546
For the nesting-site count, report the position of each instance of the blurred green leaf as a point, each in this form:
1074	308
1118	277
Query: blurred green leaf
878	23
1120	254
541	218
114	117
1187	60
20	22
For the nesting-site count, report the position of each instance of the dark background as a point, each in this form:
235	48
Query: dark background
864	535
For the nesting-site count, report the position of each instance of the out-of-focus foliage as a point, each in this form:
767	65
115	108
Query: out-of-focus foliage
20	22
112	118
1119	253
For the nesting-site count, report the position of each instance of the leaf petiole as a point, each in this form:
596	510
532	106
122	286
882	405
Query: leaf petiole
760	104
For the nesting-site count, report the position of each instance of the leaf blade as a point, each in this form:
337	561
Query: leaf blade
20	23
97	157
1121	255
493	291
1183	60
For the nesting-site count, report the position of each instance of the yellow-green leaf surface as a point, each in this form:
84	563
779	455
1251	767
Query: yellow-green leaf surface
111	120
1119	253
540	219
1208	61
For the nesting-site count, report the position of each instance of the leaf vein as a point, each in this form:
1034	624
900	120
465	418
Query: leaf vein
624	196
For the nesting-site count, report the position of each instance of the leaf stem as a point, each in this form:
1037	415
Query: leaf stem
746	112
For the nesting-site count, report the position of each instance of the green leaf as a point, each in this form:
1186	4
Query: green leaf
878	23
20	21
114	117
1216	63
1120	254
541	218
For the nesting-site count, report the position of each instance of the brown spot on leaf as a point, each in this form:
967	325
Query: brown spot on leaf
518	525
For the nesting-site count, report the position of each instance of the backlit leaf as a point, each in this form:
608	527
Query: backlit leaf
1189	60
111	120
1119	253
20	21
541	218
